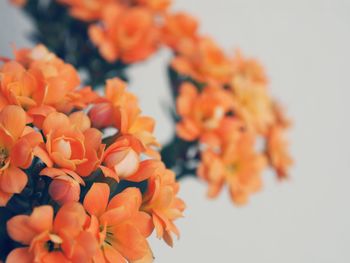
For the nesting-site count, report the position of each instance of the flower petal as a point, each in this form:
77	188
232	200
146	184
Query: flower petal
96	199
13	180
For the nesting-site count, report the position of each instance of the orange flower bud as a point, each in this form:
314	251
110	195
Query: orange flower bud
101	115
64	189
125	162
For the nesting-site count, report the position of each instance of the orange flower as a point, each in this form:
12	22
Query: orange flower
18	144
57	77
202	112
253	103
68	140
155	5
180	32
161	202
46	239
236	164
248	70
64	189
122	159
120	109
17	85
119	225
19	3
205	63
128	34
86	10
72	149
39	79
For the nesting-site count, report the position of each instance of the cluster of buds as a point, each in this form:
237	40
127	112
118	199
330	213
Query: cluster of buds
80	176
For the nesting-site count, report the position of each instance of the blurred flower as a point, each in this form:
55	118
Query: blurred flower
49	239
179	32
19	3
126	34
277	144
18	145
249	88
86	10
155	5
119	225
201	112
236	165
277	151
205	63
162	203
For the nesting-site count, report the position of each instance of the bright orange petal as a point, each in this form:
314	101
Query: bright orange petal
13	119
13	180
96	199
20	255
113	255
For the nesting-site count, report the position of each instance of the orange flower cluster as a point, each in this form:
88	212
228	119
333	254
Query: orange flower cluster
228	114
79	137
132	30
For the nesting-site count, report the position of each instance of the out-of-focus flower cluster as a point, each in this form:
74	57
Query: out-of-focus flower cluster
239	128
80	172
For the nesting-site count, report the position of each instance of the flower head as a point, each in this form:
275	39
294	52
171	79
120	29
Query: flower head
179	32
201	112
205	63
236	165
119	224
49	239
126	34
18	144
162	203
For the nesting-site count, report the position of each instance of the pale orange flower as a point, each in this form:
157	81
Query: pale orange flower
49	239
162	203
249	70
249	89
206	63
202	112
18	145
235	164
119	225
86	10
126	34
123	160
179	32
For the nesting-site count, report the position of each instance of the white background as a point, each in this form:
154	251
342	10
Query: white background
305	48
